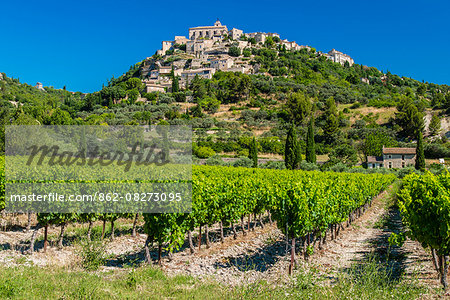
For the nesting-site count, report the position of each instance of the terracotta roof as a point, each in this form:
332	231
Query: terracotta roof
374	159
399	150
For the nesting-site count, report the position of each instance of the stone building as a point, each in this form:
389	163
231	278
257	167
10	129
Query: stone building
149	87
166	45
223	63
207	32
180	40
39	86
188	75
235	34
197	47
393	158
339	57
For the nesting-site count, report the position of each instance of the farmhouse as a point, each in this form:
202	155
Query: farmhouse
393	158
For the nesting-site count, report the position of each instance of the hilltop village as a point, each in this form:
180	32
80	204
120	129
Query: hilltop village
212	48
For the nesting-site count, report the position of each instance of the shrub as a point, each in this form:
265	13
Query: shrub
406	171
355	105
214	161
279	165
437	169
436	150
339	167
92	254
243	162
204	152
306	166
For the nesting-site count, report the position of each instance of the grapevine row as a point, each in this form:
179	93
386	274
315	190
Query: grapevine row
304	204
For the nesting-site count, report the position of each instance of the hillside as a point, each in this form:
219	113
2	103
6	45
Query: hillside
243	85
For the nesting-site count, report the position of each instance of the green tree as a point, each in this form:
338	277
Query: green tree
331	125
269	42
421	89
373	144
134	83
210	104
292	156
298	106
345	154
59	117
198	88
438	99
310	145
253	152
420	155
234	51
175	82
408	117
435	125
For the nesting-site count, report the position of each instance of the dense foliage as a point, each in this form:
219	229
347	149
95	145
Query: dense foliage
424	202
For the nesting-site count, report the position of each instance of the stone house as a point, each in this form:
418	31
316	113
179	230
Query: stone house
166	45
223	63
39	86
150	87
197	47
180	40
188	75
339	57
165	70
235	33
393	158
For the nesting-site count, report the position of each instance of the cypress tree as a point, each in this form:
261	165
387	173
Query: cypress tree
420	156
292	154
310	145
175	83
253	153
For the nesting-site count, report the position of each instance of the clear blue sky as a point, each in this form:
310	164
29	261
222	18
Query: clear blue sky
81	44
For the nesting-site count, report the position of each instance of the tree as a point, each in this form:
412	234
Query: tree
175	83
331	120
408	117
421	89
310	145
134	83
292	156
269	42
253	152
234	51
210	104
59	117
438	99
420	155
298	106
373	144
435	125
198	88
345	154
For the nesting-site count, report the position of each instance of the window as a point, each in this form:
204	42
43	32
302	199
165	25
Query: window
403	164
389	156
403	157
390	165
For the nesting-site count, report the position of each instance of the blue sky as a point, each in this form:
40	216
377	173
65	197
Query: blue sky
81	44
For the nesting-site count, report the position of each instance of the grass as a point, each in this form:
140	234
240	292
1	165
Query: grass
365	281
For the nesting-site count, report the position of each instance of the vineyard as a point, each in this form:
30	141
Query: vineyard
308	207
304	204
